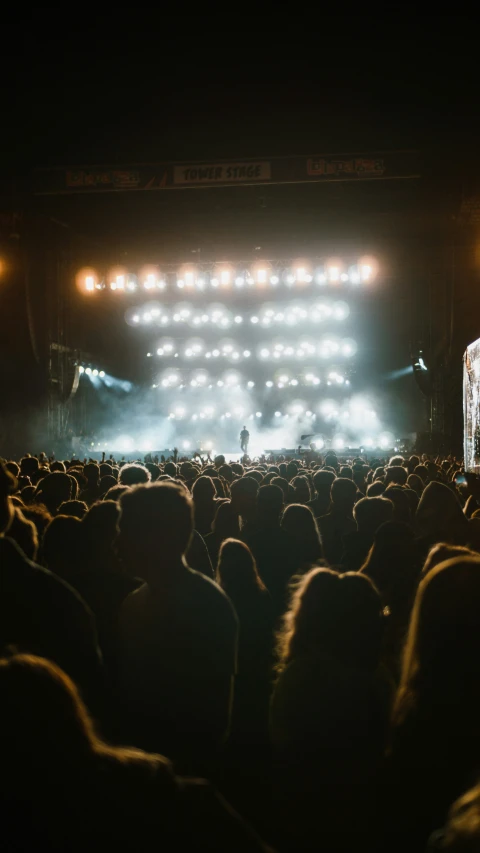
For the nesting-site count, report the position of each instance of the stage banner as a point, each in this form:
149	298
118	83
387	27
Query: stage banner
471	407
392	165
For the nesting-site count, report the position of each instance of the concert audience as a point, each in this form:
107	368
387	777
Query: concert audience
359	732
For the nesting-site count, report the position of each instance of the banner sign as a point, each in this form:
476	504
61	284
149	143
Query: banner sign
393	165
221	173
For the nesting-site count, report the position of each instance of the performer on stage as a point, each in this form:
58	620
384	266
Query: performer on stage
244	439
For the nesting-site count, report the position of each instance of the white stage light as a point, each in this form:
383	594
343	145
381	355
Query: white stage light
239	281
214	282
113	285
215	353
344	276
235	356
300	274
220	383
200	283
290	279
180	283
334	273
308	414
149	281
225	277
164	320
321	278
294	382
258	414
186	445
204	318
89	282
250	384
261	276
189	279
228	415
95	372
274	279
160	351
278	414
147	317
88	371
289	351
365	272
254	320
102	374
264	353
338	443
161	284
308	278
369	442
81	369
269	384
238	319
135	318
297	409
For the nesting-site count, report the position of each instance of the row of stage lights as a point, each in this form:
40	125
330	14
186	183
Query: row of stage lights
327	410
333	272
284	380
327	348
91	371
126	444
220	316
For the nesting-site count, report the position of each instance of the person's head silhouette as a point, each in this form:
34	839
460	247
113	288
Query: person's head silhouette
155	528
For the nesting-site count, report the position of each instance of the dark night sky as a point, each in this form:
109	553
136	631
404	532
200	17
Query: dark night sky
112	87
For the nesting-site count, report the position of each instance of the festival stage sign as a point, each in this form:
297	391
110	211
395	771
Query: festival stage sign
392	165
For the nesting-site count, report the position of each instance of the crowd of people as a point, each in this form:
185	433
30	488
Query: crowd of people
240	656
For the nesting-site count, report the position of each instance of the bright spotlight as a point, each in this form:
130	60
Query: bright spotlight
334	273
238	319
321	278
264	353
81	369
225	276
319	444
102	374
149	281
220	383
338	443
261	276
239	281
95	372
258	414
365	272
250	384
290	279
278	414
88	371
89	282
135	318
274	279
269	384
254	320
186	445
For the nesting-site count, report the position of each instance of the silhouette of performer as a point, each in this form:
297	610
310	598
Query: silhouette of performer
244	439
